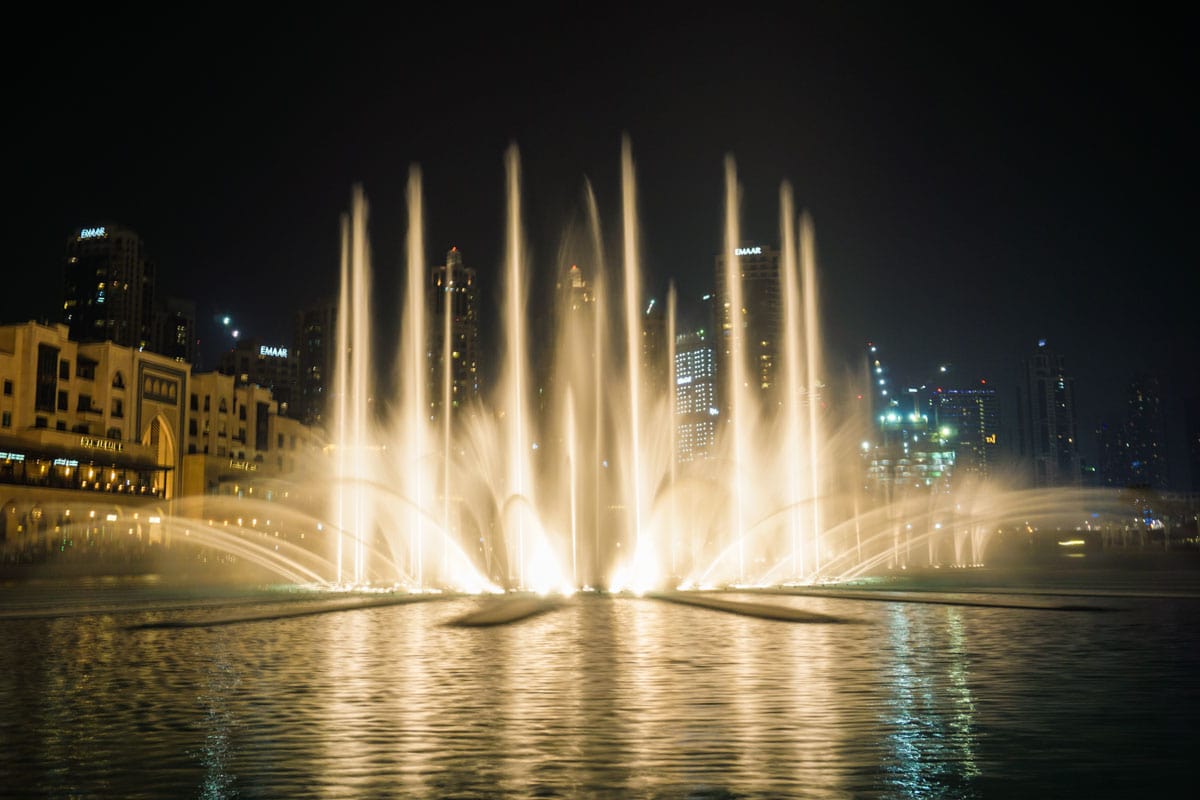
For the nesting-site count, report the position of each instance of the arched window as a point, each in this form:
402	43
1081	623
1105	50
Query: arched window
118	380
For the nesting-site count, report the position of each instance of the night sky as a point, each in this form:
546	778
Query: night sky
976	183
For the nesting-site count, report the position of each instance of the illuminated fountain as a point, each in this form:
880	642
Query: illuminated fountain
578	489
564	479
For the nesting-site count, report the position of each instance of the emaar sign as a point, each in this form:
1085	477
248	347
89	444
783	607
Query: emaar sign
93	233
276	352
748	251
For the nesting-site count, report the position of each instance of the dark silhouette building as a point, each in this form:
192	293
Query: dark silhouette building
108	287
315	345
454	313
1131	452
174	332
1192	422
1049	438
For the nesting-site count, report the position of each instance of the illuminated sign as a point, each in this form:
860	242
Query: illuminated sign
100	444
990	438
278	352
93	233
65	462
245	466
748	251
12	456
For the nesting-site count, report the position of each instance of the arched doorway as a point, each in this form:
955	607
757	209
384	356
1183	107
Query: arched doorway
159	437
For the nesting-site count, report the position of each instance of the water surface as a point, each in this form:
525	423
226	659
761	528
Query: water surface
604	697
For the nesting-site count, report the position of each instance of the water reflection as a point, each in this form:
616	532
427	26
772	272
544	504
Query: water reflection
604	697
928	711
217	722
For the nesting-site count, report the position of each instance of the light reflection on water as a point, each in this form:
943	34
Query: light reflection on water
616	697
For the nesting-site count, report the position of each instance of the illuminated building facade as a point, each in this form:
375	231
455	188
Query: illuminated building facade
696	410
236	436
274	367
454	312
761	320
1048	422
912	453
970	419
83	425
96	438
108	287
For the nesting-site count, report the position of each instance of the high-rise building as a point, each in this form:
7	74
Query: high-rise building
454	311
759	321
174	334
655	369
273	367
315	343
969	418
1192	423
696	410
1131	452
1049	440
108	287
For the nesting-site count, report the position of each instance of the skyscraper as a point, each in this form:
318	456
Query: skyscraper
174	332
1192	424
695	396
454	312
760	319
970	418
108	287
1049	440
655	369
1132	450
315	343
273	367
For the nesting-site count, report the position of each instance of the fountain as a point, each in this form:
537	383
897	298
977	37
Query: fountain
583	492
564	478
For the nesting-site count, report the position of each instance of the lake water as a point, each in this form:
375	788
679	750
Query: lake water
606	697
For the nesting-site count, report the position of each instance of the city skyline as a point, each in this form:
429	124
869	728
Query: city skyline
964	208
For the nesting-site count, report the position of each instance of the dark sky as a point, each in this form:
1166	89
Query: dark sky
976	182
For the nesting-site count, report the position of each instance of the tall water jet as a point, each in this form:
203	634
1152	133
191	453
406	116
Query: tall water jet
588	491
354	515
672	532
735	322
642	557
598	330
447	299
792	375
414	362
538	567
514	325
341	414
812	351
573	481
